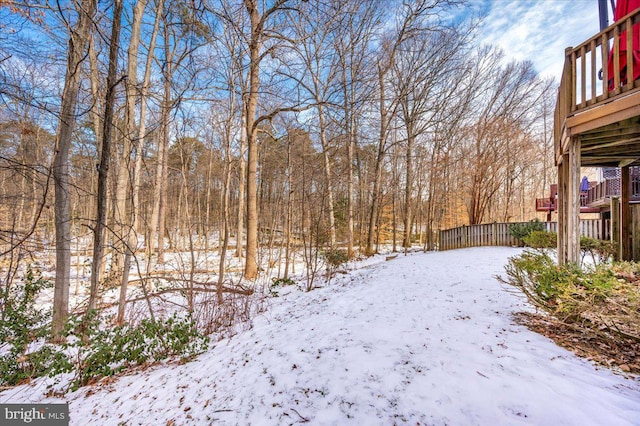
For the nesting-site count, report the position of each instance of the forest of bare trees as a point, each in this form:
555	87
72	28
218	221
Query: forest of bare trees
266	131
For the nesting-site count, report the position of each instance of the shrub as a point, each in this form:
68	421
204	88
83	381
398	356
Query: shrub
104	352
277	283
97	350
537	275
522	230
23	330
541	240
600	251
334	259
563	290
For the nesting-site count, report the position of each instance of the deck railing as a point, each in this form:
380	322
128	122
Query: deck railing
546	204
603	191
592	74
497	234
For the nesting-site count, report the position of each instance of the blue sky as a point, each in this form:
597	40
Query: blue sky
539	30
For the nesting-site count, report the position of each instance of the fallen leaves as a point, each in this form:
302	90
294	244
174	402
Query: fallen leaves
600	346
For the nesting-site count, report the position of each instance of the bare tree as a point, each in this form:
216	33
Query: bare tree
107	142
424	81
507	104
262	41
409	22
78	40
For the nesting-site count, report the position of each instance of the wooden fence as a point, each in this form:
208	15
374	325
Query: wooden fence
497	234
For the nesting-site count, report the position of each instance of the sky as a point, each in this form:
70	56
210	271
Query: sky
539	30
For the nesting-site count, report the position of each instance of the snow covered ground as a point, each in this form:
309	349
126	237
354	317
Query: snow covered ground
424	339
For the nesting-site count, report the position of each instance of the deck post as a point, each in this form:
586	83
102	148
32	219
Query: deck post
615	225
562	220
625	214
635	232
573	213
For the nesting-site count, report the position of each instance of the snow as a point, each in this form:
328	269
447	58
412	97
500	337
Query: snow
421	339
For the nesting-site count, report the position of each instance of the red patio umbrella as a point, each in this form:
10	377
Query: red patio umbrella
623	8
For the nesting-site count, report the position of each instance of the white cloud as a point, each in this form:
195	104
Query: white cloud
539	30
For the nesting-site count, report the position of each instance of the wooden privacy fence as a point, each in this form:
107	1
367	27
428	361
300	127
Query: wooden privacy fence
497	234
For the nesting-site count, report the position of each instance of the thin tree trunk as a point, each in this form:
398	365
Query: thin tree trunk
287	251
394	196
225	197
142	130
103	168
160	188
94	77
76	53
327	176
373	211
132	141
242	175
162	207
251	261
407	192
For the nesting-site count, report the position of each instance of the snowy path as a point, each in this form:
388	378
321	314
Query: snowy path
425	339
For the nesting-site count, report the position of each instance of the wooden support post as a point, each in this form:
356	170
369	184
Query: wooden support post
562	221
573	214
615	225
625	214
635	232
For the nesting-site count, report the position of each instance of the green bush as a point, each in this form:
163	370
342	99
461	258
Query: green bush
522	230
538	276
276	283
541	240
98	350
599	250
23	330
563	290
335	258
104	352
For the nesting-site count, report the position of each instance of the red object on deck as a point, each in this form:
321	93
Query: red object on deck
623	8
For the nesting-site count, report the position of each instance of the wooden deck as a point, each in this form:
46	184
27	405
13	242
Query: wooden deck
600	195
597	123
548	204
605	119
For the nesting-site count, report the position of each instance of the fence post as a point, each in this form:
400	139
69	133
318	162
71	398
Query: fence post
465	236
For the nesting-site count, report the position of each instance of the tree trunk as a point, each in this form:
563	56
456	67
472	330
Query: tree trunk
142	130
160	188
103	167
251	261
76	54
327	176
289	226
130	141
377	176
407	191
242	175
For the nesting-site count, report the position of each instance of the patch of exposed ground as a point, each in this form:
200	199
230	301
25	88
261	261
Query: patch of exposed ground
604	346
